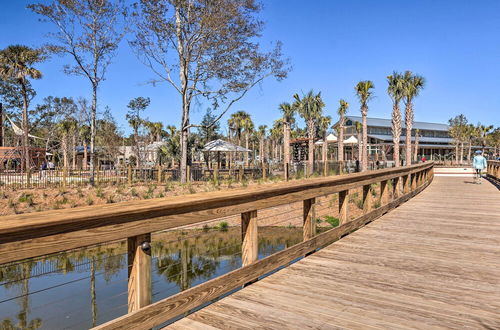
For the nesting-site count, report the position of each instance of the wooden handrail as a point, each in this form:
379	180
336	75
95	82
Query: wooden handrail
493	169
32	235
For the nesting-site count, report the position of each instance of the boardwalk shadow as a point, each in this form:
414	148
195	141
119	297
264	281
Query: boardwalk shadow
470	182
493	182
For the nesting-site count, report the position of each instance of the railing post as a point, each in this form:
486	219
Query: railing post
129	174
309	218
413	178
216	173
367	205
406	184
343	206
287	172
240	173
395	188
158	168
249	238
139	271
384	192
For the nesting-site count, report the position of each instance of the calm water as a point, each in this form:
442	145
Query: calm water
77	290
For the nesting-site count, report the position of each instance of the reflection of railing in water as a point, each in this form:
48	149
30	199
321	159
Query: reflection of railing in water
25	236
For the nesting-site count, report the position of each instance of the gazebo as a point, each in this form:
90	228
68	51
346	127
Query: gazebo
219	146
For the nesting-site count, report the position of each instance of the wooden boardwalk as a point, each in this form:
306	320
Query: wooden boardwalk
434	262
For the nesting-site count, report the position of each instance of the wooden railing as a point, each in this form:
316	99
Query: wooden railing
493	169
33	235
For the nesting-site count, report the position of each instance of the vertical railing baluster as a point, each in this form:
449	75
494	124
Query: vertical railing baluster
367	200
139	271
249	238
343	206
395	188
384	192
309	218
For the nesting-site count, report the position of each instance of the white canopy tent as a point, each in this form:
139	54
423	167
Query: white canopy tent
330	138
351	140
224	146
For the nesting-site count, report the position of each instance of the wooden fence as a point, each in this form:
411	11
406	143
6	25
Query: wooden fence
33	235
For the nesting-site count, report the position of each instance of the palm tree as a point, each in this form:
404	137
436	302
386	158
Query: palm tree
364	92
261	133
288	112
17	63
472	134
412	86
237	122
359	131
310	107
458	129
84	133
342	110
324	124
395	91
248	127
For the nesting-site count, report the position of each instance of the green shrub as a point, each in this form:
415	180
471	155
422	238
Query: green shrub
99	193
133	192
26	198
333	221
206	228
90	201
222	226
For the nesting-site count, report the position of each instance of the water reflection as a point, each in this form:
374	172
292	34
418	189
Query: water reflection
84	288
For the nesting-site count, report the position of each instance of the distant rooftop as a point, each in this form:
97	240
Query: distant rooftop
380	122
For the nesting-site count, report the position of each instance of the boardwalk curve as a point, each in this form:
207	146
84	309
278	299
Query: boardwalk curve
434	262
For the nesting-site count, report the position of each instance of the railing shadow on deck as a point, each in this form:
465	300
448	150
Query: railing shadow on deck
43	233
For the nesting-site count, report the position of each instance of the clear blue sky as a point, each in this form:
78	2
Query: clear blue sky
332	45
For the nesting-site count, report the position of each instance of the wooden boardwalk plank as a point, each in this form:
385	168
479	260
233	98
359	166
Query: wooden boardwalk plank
432	263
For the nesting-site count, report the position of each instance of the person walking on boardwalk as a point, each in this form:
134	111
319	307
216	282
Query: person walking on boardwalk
478	164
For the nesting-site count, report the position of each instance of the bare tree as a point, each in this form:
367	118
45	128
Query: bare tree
89	31
215	52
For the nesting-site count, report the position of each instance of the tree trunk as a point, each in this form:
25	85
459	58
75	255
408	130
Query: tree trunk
246	146
324	149
340	141
26	157
461	152
360	148
364	161
183	75
85	156
396	132
286	143
93	132
65	150
409	126
415	151
470	152
74	151
310	129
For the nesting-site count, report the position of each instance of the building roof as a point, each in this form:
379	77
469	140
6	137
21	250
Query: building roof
421	139
221	145
380	122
